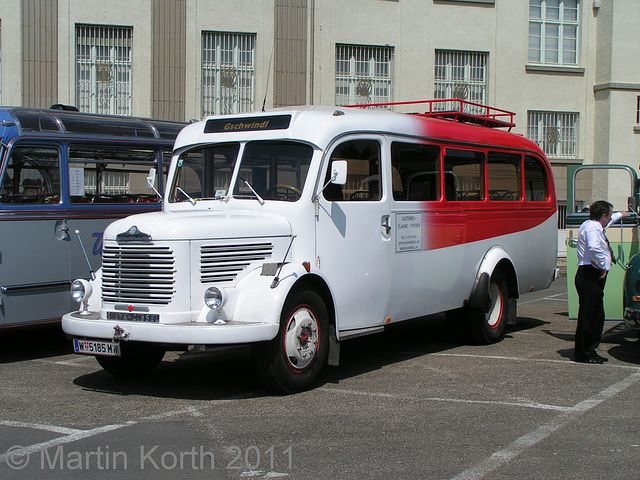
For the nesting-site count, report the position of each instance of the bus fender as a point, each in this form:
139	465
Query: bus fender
259	300
478	298
493	259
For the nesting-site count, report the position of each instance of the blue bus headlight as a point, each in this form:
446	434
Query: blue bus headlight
81	290
215	297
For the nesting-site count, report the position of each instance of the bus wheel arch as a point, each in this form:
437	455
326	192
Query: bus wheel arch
490	308
489	317
295	358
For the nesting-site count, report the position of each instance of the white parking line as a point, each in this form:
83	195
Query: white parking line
76	361
531	439
75	434
540	406
558	297
40	426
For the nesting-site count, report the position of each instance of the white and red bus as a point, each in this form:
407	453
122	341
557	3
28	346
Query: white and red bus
299	228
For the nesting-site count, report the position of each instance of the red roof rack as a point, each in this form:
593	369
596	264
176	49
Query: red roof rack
457	110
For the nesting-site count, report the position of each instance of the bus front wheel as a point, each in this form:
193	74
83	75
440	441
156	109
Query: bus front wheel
293	360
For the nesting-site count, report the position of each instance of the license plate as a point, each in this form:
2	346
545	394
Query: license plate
133	317
94	347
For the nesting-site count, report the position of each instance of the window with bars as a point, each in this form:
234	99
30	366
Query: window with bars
556	133
461	75
363	74
553	32
228	72
103	69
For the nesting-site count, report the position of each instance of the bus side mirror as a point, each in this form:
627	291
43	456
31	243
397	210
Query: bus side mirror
339	172
151	182
631	204
151	179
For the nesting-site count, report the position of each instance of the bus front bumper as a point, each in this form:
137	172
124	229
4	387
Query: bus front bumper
192	333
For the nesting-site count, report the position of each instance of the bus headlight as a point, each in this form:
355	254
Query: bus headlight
215	297
81	290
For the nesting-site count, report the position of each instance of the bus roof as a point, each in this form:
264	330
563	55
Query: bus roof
15	121
320	125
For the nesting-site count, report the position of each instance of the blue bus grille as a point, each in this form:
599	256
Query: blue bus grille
223	263
138	274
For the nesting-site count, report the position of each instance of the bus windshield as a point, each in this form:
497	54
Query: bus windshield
273	170
204	172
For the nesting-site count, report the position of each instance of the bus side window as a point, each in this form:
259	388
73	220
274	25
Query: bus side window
503	176
415	171
535	180
110	174
363	172
466	168
32	175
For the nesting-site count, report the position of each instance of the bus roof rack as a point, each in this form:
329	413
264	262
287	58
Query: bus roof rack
456	110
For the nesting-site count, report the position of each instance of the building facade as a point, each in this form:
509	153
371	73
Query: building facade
567	68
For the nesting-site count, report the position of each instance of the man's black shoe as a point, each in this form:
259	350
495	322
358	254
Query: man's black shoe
597	360
604	359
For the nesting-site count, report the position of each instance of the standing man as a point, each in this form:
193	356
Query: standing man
594	261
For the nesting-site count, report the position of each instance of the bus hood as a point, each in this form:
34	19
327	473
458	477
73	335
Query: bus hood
163	226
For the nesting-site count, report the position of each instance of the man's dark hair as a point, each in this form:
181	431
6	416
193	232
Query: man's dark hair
598	209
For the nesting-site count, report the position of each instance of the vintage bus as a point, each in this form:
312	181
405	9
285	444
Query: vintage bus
63	171
298	228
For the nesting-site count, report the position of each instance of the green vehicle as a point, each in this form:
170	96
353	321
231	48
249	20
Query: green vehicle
617	184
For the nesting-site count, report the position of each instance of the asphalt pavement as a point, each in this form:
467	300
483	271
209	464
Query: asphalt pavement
409	403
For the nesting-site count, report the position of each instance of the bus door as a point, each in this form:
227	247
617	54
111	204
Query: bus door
353	235
585	185
32	220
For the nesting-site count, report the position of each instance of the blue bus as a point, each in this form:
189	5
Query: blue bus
64	176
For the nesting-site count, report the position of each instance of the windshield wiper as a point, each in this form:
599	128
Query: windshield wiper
258	197
191	200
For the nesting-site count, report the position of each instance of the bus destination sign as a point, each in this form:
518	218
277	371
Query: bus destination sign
249	124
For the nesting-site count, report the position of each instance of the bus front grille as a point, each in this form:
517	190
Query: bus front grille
223	263
138	274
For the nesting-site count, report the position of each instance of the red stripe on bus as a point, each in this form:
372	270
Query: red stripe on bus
449	228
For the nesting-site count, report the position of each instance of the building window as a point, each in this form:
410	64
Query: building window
553	32
363	74
103	69
228	72
638	110
461	75
555	133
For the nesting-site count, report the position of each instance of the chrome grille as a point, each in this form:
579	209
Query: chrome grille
138	274
223	263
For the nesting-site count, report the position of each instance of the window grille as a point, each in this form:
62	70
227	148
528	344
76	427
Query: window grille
556	133
553	31
363	74
113	183
562	216
461	75
103	69
228	73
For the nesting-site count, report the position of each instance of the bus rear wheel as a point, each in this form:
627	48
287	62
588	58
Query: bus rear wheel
136	360
487	324
293	360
